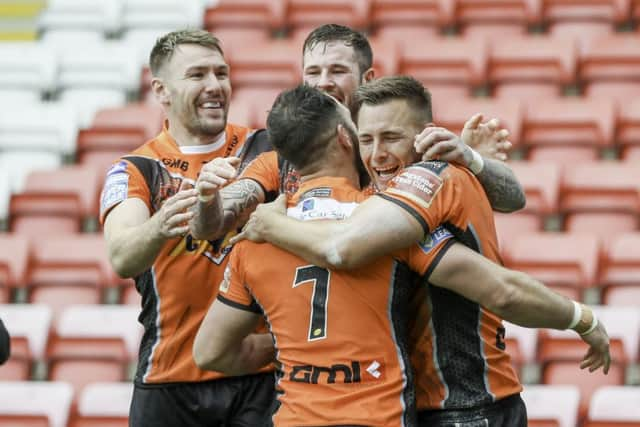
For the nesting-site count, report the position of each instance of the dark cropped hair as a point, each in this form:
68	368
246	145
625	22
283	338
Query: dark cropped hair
300	124
339	33
386	89
166	45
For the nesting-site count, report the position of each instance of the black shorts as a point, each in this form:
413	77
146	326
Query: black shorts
507	412
245	401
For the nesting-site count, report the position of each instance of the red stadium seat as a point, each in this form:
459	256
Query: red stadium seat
558	259
569	373
635	9
549	405
30	323
565	122
250	106
453	115
502	16
18	367
103	405
541	183
145	118
273	65
510	225
628	130
615	406
400	33
600	187
613	58
445	62
305	15
581	31
631	154
572	349
389	16
14	258
53	202
60	296
100	147
607	226
562	155
525	338
246	15
621	261
130	296
386	57
542	62
620	91
30	403
609	11
621	295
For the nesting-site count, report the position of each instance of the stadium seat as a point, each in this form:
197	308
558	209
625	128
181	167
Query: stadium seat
30	321
87	102
19	164
250	106
615	406
510	225
613	58
635	10
621	295
453	114
99	147
541	184
130	296
305	15
104	17
55	130
620	91
402	33
557	259
386	58
144	118
543	422
526	338
552	402
171	14
621	261
628	129
609	11
18	367
600	187
274	65
456	62
14	260
26	400
103	405
569	373
55	202
581	31
249	16
523	66
562	154
568	123
631	154
495	18
392	16
607	226
27	66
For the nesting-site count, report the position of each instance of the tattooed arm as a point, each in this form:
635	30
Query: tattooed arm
502	187
229	208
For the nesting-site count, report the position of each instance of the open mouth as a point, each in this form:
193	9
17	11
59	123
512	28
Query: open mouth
386	173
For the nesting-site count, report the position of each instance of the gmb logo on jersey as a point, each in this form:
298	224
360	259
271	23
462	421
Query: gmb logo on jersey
339	373
432	240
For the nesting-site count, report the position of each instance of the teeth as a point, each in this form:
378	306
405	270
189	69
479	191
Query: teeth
211	105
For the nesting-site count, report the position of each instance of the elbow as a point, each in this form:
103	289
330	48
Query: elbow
206	358
506	301
122	267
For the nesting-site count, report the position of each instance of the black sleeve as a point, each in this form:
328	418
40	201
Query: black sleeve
5	343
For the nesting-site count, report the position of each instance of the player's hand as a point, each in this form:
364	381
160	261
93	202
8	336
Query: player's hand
437	143
173	216
216	174
598	354
487	138
257	225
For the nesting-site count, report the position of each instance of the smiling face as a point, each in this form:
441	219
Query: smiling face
195	90
386	134
333	68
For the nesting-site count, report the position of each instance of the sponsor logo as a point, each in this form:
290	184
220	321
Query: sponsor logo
418	184
354	372
226	280
116	187
432	240
317	192
308	205
117	168
176	163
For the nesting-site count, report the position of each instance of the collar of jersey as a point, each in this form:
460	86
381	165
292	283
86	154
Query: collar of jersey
326	182
194	149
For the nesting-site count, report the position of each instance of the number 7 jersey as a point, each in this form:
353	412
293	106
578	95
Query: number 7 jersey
340	335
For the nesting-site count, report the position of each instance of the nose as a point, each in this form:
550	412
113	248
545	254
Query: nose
326	81
211	83
379	151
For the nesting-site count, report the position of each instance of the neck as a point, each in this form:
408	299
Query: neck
184	138
347	171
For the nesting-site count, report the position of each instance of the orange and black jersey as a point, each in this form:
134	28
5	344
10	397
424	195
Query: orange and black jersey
340	335
459	355
180	286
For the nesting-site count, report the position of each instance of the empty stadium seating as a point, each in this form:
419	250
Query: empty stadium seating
614	406
21	402
549	403
393	19
103	404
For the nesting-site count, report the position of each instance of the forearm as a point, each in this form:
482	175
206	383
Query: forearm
208	221
501	186
247	356
528	303
134	249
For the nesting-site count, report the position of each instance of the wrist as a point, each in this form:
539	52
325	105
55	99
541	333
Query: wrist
587	322
477	162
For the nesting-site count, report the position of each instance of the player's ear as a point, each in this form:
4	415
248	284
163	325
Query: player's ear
344	139
160	91
368	75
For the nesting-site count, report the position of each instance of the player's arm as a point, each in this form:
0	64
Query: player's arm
520	299
5	343
498	180
375	228
134	237
225	341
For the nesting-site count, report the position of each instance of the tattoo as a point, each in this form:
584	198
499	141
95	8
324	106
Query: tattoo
501	186
239	201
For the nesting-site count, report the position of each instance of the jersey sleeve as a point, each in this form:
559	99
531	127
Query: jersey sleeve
123	181
430	192
424	257
264	170
233	291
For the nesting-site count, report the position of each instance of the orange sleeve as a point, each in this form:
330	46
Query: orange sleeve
123	181
233	291
264	170
430	192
